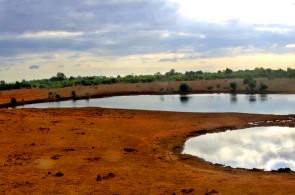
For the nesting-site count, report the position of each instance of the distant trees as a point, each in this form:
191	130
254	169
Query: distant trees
59	77
60	80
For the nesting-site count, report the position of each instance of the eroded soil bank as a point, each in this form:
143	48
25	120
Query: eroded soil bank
112	151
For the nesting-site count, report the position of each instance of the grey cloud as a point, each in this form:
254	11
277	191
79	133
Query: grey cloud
116	28
34	67
168	60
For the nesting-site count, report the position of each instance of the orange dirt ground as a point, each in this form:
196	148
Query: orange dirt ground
86	147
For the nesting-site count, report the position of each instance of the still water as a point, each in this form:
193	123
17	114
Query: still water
243	103
268	148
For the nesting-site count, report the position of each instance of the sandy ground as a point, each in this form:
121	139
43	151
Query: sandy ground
112	151
107	151
284	85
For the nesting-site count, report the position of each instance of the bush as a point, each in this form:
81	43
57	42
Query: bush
74	95
233	86
13	102
57	96
263	87
184	88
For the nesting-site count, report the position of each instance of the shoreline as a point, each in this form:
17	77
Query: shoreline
36	95
5	105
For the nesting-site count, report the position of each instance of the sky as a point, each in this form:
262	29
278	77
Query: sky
39	38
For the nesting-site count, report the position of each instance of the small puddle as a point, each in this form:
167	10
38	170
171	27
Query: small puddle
267	148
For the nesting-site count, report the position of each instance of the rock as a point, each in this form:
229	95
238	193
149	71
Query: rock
58	174
211	192
98	178
187	191
129	150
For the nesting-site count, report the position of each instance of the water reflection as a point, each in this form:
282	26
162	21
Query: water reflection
252	98
184	98
233	98
268	148
276	104
263	97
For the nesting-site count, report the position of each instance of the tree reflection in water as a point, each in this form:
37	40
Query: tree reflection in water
184	99
233	98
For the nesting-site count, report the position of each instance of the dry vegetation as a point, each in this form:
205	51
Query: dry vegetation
274	86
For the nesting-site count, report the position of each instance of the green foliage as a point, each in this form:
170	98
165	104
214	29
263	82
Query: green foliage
13	102
184	88
210	87
61	81
252	86
263	87
233	86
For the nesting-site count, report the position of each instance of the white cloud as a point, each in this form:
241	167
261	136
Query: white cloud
51	34
248	11
290	46
274	29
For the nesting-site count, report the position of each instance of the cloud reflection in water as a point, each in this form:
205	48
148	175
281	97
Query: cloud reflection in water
266	148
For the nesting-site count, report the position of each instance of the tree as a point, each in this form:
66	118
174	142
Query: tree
61	76
228	71
184	88
233	86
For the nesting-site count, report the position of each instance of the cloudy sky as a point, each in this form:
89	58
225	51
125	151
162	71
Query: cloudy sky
39	38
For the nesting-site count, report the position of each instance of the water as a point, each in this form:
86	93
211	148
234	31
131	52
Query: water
260	104
268	148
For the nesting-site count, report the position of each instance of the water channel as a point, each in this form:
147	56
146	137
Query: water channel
261	104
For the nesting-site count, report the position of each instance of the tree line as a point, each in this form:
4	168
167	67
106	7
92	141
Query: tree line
60	80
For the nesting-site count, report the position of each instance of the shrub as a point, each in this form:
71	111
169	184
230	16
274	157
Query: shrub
57	96
210	87
263	87
13	102
252	86
49	95
184	88
74	95
233	86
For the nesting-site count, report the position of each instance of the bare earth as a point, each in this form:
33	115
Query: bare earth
113	151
